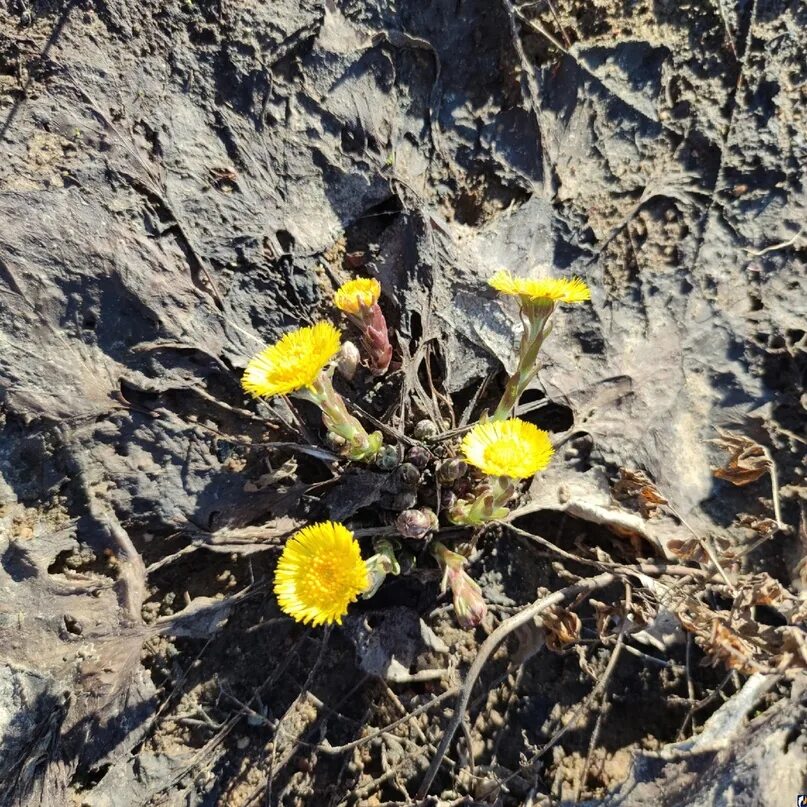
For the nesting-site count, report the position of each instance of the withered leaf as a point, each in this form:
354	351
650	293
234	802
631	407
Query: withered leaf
763	526
562	628
635	488
761	589
726	646
747	460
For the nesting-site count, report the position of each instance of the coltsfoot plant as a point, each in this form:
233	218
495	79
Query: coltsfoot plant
438	483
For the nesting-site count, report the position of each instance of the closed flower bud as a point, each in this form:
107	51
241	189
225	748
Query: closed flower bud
348	360
418	456
387	458
435	522
408	474
447	499
451	470
405	500
426	430
415	523
380	565
469	605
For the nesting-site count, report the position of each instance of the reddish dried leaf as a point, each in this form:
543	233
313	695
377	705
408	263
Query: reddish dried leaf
747	460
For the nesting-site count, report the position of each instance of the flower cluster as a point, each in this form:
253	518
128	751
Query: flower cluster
321	571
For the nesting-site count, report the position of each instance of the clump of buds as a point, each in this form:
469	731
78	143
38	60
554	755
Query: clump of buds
416	523
469	605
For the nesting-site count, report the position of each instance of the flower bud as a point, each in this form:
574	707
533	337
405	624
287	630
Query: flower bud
451	470
348	360
387	458
380	565
469	605
426	430
408	474
418	456
405	500
415	523
447	499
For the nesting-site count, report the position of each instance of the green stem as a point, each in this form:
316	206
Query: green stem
535	332
359	444
488	505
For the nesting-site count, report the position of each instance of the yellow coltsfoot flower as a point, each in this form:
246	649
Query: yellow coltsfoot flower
358	298
296	365
537	299
293	363
357	294
320	572
504	450
559	290
512	448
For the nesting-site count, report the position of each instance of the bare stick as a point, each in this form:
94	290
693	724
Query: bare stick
485	651
601	687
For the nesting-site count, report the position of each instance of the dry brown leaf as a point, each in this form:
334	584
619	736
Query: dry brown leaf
761	589
764	526
687	549
606	616
562	628
724	645
747	460
635	488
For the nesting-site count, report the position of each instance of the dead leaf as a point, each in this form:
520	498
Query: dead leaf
764	526
761	589
634	488
747	462
562	628
725	645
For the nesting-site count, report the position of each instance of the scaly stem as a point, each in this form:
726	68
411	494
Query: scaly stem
359	445
374	337
536	329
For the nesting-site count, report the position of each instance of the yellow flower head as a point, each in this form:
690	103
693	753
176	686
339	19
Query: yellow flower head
353	296
292	363
320	572
560	290
512	448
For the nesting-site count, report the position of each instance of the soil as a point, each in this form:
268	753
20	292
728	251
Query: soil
183	181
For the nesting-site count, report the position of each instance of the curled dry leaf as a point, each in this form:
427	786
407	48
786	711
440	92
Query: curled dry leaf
607	616
764	526
636	489
562	628
761	589
693	549
747	461
725	645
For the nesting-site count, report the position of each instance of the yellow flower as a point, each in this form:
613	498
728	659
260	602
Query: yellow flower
320	572
512	448
561	290
353	296
292	363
